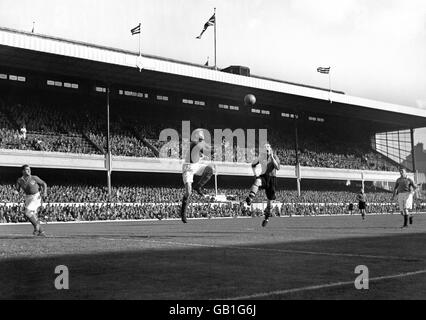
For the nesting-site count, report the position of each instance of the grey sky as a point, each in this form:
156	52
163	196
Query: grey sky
376	48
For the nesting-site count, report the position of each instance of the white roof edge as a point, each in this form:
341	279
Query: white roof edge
379	105
52	45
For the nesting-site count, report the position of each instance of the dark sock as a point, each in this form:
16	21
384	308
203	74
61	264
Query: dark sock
35	223
267	212
185	201
250	197
405	220
253	190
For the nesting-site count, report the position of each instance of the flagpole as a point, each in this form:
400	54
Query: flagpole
140	31
329	86
215	23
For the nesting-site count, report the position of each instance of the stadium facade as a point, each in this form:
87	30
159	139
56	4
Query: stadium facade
168	89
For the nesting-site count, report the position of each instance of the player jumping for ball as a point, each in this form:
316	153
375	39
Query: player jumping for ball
404	188
31	186
194	166
267	179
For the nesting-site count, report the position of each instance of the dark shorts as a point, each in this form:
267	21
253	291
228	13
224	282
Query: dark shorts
362	205
269	184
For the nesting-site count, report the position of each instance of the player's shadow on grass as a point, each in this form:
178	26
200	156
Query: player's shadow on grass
156	271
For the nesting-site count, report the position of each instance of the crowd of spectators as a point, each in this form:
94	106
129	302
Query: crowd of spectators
89	203
12	139
163	194
81	130
103	212
122	145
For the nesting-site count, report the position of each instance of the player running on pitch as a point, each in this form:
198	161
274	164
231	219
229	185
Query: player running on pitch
31	186
267	179
404	188
194	166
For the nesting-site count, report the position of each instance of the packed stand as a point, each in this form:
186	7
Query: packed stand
91	203
156	194
51	126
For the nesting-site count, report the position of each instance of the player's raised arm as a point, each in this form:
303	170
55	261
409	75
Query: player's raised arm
275	160
202	148
206	147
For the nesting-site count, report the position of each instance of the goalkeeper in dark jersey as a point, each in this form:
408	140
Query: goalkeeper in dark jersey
362	203
267	179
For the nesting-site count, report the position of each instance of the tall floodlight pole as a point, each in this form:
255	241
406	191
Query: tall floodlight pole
413	156
296	147
108	156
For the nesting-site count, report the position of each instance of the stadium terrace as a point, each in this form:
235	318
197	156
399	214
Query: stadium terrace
125	175
53	114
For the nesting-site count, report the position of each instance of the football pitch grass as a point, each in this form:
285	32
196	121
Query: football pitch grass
292	258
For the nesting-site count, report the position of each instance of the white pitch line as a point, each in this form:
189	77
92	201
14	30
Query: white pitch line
212	218
317	253
322	286
122	221
302	252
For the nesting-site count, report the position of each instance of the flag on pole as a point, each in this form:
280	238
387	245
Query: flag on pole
209	23
323	70
136	30
207	62
326	71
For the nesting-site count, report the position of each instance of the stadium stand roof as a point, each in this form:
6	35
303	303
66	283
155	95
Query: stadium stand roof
42	53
